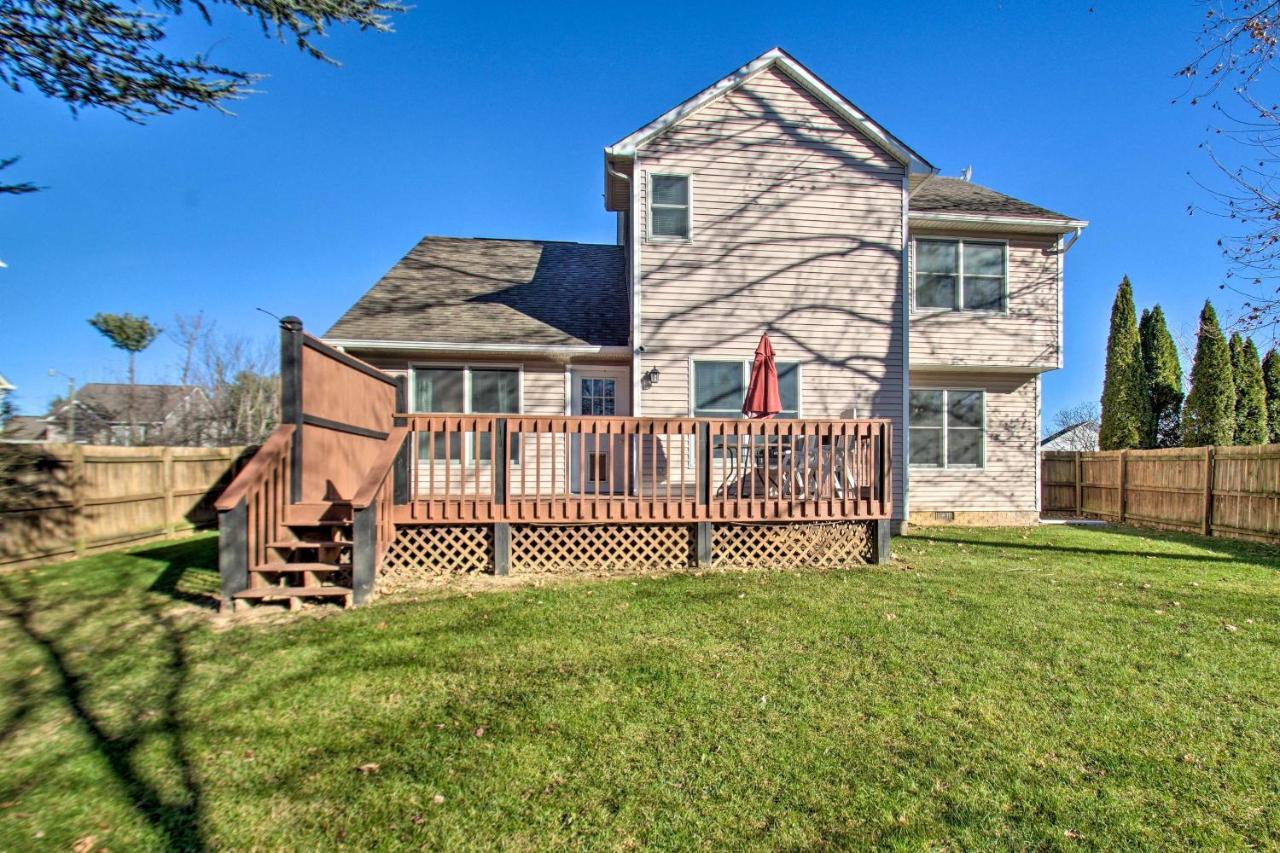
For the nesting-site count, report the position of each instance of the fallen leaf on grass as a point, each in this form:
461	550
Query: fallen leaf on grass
370	768
438	799
1231	628
84	844
1073	835
33	673
480	731
248	755
418	820
889	617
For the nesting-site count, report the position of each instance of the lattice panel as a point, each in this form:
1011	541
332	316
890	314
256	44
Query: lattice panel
441	549
601	547
791	546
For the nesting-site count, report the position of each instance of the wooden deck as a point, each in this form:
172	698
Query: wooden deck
347	480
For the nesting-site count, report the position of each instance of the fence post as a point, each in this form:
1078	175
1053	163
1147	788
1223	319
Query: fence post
166	477
1079	484
233	551
1123	473
291	397
77	499
364	552
1206	525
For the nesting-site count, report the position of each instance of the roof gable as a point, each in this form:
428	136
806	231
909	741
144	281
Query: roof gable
784	62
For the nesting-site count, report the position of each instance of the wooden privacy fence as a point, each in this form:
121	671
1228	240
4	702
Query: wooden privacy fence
63	500
1214	491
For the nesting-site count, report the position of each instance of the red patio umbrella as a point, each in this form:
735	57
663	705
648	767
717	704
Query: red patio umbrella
763	400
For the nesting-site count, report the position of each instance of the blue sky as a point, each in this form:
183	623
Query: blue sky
489	121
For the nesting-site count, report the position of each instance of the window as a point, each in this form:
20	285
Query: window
947	428
669	206
960	275
470	390
720	388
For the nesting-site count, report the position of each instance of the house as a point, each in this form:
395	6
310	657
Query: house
542	405
1078	436
766	203
160	414
25	429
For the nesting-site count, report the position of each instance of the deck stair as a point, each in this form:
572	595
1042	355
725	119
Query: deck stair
303	566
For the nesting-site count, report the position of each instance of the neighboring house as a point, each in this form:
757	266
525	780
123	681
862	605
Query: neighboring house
1079	436
6	387
25	429
161	413
766	203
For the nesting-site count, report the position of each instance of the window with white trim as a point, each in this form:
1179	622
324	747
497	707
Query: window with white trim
947	428
960	275
669	206
720	388
466	390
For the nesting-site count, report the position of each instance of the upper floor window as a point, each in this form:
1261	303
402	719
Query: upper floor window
960	275
669	206
947	428
720	388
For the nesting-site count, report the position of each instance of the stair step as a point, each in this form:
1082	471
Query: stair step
301	544
300	567
268	592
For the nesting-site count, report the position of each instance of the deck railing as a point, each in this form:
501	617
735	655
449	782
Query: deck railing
489	468
251	511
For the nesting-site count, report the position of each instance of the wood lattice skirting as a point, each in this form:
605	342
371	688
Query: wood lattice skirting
441	549
565	548
791	546
601	547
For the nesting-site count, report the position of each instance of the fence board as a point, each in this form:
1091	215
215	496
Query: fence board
69	500
1222	491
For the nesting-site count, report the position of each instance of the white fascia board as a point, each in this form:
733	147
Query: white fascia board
449	346
1022	223
916	165
1027	369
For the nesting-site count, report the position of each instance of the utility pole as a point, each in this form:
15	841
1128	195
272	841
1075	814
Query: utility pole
71	404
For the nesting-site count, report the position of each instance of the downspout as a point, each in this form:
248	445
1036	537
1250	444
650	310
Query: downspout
633	280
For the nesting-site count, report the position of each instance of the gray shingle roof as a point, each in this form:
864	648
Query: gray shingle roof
953	195
472	290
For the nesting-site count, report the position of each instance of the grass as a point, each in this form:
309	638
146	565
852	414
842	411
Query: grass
1049	688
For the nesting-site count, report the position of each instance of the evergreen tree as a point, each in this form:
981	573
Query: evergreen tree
1209	416
1271	382
1164	376
1126	403
1251	395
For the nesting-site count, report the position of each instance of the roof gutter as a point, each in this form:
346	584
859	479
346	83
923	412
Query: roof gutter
479	348
1056	226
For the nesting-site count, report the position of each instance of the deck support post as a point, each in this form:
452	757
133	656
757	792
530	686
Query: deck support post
401	468
703	542
502	549
291	397
364	553
233	551
880	536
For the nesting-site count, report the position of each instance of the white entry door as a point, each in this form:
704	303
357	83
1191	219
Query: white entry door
598	464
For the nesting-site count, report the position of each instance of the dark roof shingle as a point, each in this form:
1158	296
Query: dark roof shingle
954	195
152	403
473	290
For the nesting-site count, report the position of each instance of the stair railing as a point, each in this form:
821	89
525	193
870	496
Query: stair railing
251	512
373	526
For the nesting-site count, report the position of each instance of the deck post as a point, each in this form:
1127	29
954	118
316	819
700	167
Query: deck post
401	468
233	551
291	397
502	549
880	536
500	463
704	531
704	464
364	553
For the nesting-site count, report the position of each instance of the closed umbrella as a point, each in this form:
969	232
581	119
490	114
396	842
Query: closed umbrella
763	400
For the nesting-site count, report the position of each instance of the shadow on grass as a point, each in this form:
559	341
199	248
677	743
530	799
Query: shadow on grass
1224	550
177	817
190	568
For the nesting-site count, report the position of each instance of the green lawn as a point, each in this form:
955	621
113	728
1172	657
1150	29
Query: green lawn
1051	688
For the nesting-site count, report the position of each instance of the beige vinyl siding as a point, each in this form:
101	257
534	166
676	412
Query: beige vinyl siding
1026	335
1007	482
796	228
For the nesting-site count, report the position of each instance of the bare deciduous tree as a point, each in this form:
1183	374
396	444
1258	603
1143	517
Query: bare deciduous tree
1087	413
